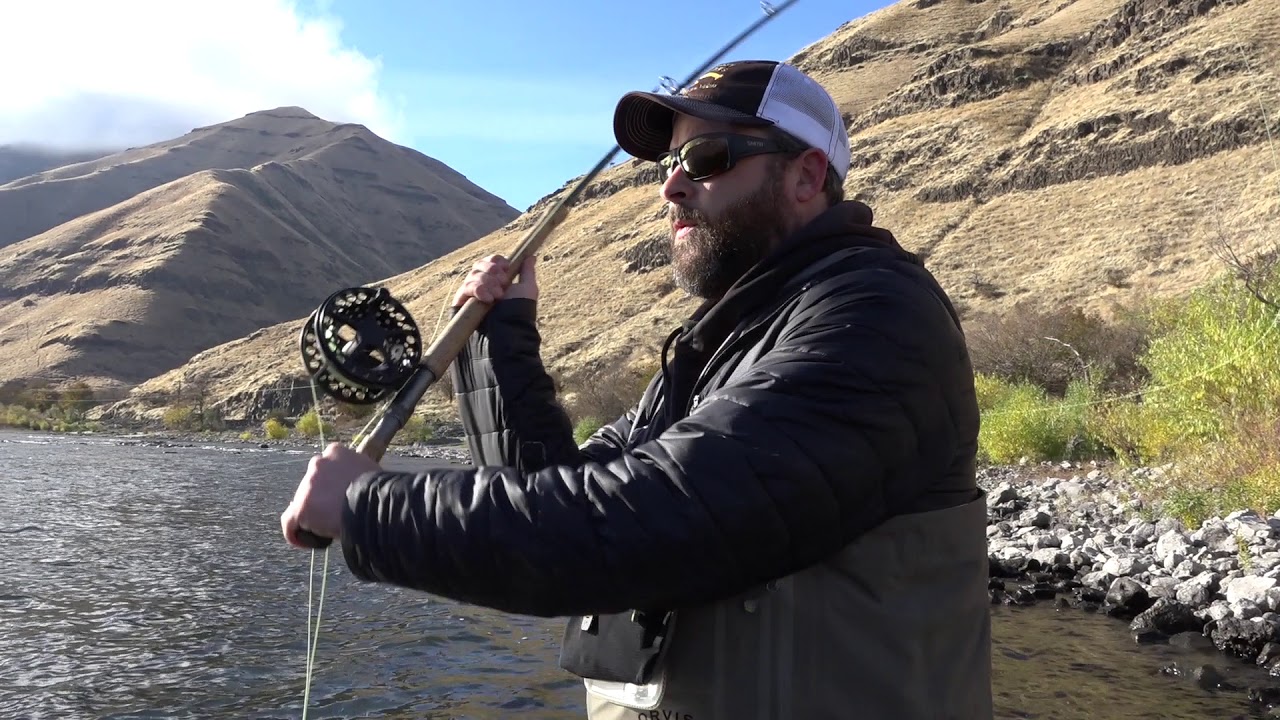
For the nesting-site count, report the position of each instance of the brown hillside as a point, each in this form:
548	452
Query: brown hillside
1046	153
129	291
40	202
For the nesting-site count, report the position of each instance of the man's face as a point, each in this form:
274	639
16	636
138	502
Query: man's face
723	225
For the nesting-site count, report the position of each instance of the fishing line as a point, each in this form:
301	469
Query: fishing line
313	632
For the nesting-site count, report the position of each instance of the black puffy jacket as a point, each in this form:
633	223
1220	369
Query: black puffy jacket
828	391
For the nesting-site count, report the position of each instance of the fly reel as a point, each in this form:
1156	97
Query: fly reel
360	345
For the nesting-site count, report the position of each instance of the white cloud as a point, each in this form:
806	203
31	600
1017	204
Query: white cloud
131	72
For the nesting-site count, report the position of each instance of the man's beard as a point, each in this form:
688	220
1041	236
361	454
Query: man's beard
713	255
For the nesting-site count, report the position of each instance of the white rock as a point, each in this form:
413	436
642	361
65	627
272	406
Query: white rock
1120	566
1050	556
1170	543
1246	609
1220	610
1098	579
1188	569
1250	587
1011	553
1163	587
1196	591
1039	542
1223	565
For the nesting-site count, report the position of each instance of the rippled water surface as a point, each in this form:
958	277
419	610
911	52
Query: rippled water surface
145	582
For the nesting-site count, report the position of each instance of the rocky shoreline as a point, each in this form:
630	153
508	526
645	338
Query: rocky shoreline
1074	536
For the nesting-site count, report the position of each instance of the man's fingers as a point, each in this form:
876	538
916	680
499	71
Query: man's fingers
289	526
494	263
486	281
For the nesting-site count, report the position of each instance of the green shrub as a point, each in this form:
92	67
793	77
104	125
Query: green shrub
274	429
1215	359
1214	364
416	430
1132	432
1241	471
311	425
18	416
1022	420
991	391
585	428
179	417
608	393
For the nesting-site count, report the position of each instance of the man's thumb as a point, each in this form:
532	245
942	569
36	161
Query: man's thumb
528	272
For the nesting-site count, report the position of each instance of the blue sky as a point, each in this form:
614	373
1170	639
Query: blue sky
518	95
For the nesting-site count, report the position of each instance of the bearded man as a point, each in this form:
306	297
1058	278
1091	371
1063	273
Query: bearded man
787	524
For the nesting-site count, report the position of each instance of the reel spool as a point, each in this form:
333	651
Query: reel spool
360	345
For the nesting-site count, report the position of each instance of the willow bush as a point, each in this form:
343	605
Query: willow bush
1207	411
1211	410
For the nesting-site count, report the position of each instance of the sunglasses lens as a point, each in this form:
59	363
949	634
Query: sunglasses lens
704	157
666	161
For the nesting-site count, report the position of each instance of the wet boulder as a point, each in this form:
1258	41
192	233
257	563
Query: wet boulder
1243	638
1163	619
1126	598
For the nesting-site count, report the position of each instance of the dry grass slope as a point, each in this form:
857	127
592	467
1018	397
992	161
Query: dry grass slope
1039	153
123	291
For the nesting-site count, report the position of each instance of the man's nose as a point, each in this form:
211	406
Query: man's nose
677	185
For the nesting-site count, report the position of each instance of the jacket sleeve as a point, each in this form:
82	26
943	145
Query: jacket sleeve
507	401
846	420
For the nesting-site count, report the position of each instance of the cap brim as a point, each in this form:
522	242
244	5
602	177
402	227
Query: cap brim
642	121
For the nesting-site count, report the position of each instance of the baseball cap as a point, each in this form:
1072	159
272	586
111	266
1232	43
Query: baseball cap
757	93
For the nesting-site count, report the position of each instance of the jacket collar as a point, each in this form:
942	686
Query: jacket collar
844	225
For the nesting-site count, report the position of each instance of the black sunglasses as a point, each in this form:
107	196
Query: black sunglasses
709	155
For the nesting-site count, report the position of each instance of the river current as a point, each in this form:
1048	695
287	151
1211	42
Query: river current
139	581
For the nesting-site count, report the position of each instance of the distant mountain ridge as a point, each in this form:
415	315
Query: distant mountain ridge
129	264
21	160
34	204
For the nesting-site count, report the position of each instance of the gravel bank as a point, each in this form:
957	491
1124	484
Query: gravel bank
1074	536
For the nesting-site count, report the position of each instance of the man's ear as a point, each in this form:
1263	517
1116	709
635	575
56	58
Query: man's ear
811	173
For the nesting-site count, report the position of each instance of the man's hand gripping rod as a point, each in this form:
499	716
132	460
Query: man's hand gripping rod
442	352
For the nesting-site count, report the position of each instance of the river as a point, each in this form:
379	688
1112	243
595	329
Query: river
152	582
